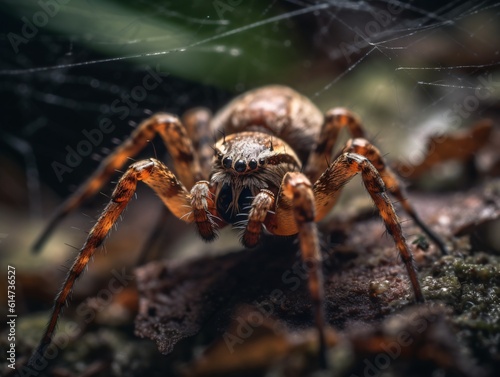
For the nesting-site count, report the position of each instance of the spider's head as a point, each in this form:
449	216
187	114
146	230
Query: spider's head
244	153
244	164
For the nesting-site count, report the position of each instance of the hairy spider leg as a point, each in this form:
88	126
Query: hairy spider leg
170	190
334	121
178	144
197	122
297	196
365	148
263	202
327	190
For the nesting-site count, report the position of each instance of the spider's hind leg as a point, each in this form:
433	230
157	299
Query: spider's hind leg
334	120
176	139
197	122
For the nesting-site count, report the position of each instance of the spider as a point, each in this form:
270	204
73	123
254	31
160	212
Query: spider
269	170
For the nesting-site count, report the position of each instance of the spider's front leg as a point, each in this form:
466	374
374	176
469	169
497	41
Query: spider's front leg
327	189
171	191
296	204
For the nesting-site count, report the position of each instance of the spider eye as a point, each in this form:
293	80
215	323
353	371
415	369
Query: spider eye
253	164
240	166
227	162
262	161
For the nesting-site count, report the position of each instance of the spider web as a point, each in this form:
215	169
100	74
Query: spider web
408	68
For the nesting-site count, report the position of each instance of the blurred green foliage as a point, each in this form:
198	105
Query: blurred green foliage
222	43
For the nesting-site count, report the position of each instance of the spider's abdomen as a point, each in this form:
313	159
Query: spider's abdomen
274	110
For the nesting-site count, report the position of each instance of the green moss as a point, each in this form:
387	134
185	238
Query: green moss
470	285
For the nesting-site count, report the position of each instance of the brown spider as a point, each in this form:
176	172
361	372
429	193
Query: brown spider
270	170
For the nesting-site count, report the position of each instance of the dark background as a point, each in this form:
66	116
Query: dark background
59	82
